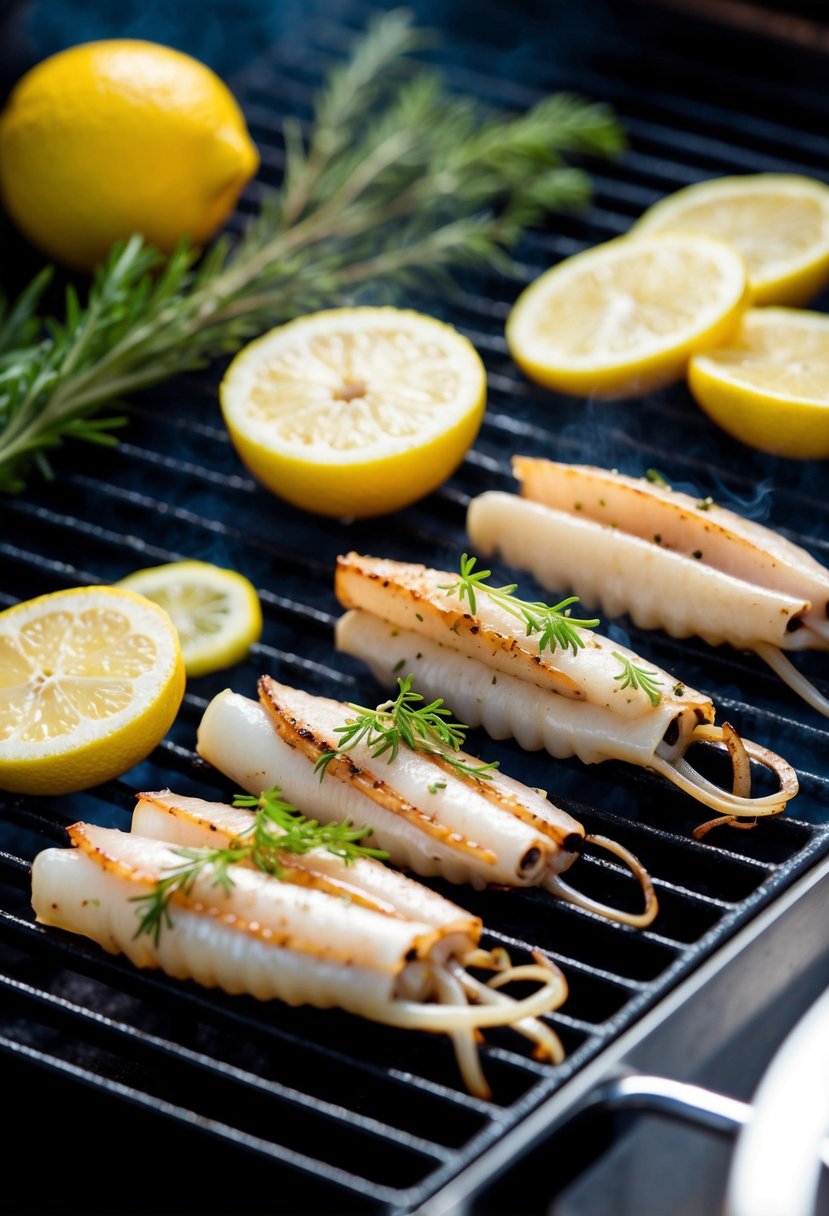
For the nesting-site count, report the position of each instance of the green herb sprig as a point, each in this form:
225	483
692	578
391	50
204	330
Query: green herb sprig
552	622
400	184
278	828
406	720
633	676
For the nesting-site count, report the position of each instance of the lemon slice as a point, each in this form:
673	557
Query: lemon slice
90	681
769	387
216	612
355	411
779	222
624	317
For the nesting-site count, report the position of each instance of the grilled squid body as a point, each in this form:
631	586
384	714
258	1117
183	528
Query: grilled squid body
401	618
667	560
329	934
429	817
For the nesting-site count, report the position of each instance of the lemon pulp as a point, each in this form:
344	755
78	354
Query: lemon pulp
216	612
624	317
90	682
355	411
769	387
778	222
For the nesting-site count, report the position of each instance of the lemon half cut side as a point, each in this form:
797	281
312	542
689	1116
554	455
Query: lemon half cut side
216	612
769	387
624	317
779	222
91	680
355	412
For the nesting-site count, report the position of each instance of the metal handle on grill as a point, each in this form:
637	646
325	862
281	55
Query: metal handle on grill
654	1095
782	1135
776	1166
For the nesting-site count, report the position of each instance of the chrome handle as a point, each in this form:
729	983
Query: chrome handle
675	1099
692	1104
776	1165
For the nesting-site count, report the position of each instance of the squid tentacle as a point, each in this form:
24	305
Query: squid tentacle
736	802
782	666
638	920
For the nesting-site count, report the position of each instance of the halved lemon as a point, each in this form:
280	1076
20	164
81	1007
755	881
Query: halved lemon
91	680
779	222
216	611
624	317
355	411
769	387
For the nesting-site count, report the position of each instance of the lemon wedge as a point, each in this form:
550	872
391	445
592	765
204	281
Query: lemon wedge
355	411
779	222
91	680
216	611
624	317
769	387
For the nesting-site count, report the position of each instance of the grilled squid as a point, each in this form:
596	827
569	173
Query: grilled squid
597	700
666	559
326	933
426	814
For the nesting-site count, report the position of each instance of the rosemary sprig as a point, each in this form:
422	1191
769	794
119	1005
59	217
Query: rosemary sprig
422	728
278	827
552	622
633	676
399	183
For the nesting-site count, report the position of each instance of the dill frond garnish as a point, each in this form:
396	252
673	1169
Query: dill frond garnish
552	622
406	720
633	676
278	828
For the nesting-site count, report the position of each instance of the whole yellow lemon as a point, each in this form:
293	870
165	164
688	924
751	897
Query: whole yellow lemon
120	136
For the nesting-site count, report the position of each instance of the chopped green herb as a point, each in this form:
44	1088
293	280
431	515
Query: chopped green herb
421	728
278	828
679	690
435	786
399	665
705	504
553	622
633	676
658	479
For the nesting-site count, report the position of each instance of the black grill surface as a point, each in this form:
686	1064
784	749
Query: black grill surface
265	1108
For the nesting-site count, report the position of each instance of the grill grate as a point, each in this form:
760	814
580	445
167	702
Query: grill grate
343	1115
